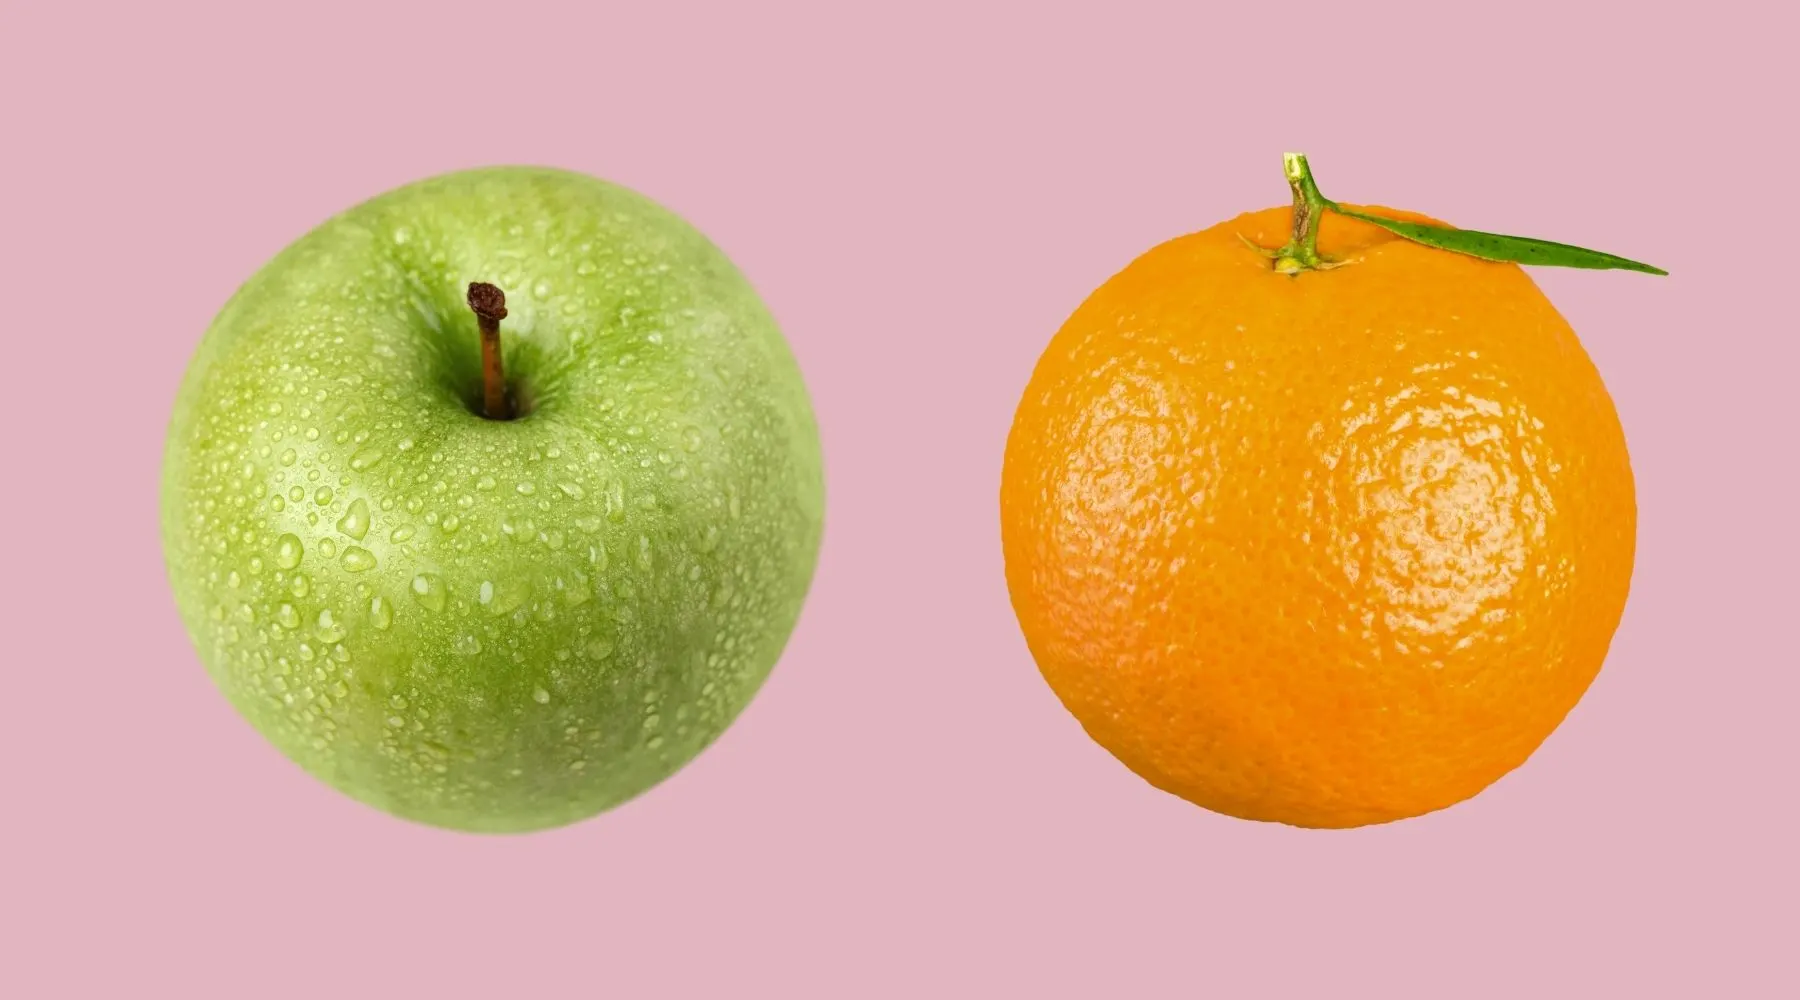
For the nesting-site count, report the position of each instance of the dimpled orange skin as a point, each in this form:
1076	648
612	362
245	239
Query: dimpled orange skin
1329	549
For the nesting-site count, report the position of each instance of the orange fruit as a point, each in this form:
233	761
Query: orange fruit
1326	549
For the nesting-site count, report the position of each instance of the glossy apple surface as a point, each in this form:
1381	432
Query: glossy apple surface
493	625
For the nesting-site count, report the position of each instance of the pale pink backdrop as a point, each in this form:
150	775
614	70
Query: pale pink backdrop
922	192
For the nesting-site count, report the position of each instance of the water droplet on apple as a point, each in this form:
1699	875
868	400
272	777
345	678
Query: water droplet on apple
540	696
300	586
327	548
428	590
288	551
288	457
504	596
599	649
366	457
297	494
615	501
466	645
572	489
357	559
574	592
541	290
329	629
381	613
234	581
400	534
355	521
527	488
643	553
323	496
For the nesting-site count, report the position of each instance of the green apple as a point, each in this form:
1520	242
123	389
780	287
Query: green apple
493	613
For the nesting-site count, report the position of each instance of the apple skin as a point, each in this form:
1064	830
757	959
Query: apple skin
479	624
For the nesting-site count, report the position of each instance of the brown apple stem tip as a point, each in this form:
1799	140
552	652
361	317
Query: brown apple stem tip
489	305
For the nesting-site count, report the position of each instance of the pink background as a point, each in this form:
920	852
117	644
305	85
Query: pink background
922	195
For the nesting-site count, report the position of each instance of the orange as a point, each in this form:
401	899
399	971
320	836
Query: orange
1326	549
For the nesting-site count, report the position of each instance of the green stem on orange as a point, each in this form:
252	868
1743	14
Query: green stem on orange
1302	250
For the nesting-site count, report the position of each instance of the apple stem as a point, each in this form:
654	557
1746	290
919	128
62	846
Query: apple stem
489	305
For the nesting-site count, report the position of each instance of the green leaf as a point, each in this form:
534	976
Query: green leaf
1492	246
